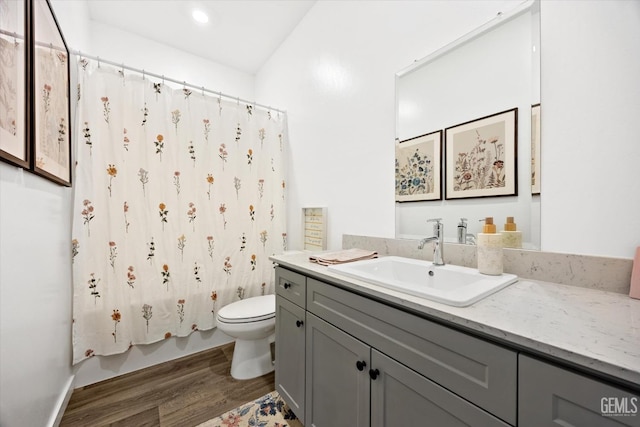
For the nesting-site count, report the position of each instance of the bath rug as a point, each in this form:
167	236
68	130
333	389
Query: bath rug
267	411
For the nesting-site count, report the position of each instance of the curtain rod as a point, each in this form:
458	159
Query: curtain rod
17	37
183	83
11	34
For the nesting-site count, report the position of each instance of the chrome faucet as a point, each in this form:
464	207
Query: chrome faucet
437	239
464	237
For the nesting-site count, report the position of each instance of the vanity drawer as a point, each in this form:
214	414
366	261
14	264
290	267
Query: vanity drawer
291	286
479	371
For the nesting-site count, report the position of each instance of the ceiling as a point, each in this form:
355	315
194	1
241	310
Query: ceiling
241	34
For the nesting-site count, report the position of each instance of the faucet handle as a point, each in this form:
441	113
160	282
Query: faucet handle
463	222
437	226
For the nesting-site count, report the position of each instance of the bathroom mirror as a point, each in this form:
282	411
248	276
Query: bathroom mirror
493	69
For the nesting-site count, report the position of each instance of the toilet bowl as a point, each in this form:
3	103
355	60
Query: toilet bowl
251	322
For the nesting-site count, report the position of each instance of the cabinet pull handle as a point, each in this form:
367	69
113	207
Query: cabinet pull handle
361	364
299	323
373	373
287	285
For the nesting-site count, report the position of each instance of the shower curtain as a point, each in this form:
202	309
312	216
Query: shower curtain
179	201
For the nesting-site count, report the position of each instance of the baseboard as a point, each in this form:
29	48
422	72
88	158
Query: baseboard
61	404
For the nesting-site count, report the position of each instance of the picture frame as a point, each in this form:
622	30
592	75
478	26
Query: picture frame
50	142
481	157
314	228
535	149
419	168
14	84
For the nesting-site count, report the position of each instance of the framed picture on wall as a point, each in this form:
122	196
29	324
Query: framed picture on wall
419	168
13	85
481	157
314	228
51	149
535	149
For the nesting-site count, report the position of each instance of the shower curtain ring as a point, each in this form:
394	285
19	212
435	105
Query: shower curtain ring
98	62
143	74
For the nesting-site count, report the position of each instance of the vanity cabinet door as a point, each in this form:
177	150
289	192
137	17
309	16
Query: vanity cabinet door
553	396
402	397
290	354
338	366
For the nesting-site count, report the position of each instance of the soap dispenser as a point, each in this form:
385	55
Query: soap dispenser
489	249
511	237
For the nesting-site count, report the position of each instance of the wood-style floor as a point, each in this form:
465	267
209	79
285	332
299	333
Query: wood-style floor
184	392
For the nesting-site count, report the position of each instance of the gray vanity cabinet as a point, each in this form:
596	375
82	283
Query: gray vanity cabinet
329	383
290	339
553	396
357	361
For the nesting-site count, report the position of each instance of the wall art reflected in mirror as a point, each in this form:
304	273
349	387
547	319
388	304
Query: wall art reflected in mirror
419	168
481	157
493	70
535	149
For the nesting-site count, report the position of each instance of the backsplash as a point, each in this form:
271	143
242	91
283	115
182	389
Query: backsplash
606	274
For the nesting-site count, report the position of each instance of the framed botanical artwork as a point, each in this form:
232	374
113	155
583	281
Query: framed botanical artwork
51	147
481	157
535	149
419	168
13	85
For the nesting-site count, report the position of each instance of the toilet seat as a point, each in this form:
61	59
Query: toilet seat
254	309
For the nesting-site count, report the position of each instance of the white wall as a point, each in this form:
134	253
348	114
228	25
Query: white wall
120	46
335	75
591	127
35	297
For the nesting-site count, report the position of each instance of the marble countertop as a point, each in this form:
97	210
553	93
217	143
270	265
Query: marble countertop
588	328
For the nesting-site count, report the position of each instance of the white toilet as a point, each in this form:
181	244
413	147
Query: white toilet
251	322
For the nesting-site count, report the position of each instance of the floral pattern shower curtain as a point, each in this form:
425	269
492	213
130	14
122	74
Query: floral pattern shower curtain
179	201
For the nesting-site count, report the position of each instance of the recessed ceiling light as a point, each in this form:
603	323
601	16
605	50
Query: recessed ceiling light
200	16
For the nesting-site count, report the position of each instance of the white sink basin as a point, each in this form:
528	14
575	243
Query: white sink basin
447	284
